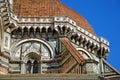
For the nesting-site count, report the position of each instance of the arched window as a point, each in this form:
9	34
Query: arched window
29	66
35	67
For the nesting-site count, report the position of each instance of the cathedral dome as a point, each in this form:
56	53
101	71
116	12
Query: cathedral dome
49	8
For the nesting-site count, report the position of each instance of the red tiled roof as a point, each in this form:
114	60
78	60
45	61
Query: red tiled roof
48	8
72	50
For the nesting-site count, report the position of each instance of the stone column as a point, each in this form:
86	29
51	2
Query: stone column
23	68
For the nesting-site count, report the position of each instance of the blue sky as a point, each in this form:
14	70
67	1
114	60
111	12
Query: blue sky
104	17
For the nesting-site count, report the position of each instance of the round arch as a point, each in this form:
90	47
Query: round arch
86	52
14	47
33	56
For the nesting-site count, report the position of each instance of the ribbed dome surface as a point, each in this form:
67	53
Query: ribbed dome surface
48	8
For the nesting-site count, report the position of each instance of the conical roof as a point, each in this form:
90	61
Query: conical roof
48	8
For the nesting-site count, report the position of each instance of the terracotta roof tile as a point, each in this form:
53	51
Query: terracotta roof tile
72	50
48	8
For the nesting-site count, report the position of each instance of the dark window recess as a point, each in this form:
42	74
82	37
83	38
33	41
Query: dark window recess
29	66
35	67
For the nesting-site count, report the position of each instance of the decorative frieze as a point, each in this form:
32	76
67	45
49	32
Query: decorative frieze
92	68
59	22
35	20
